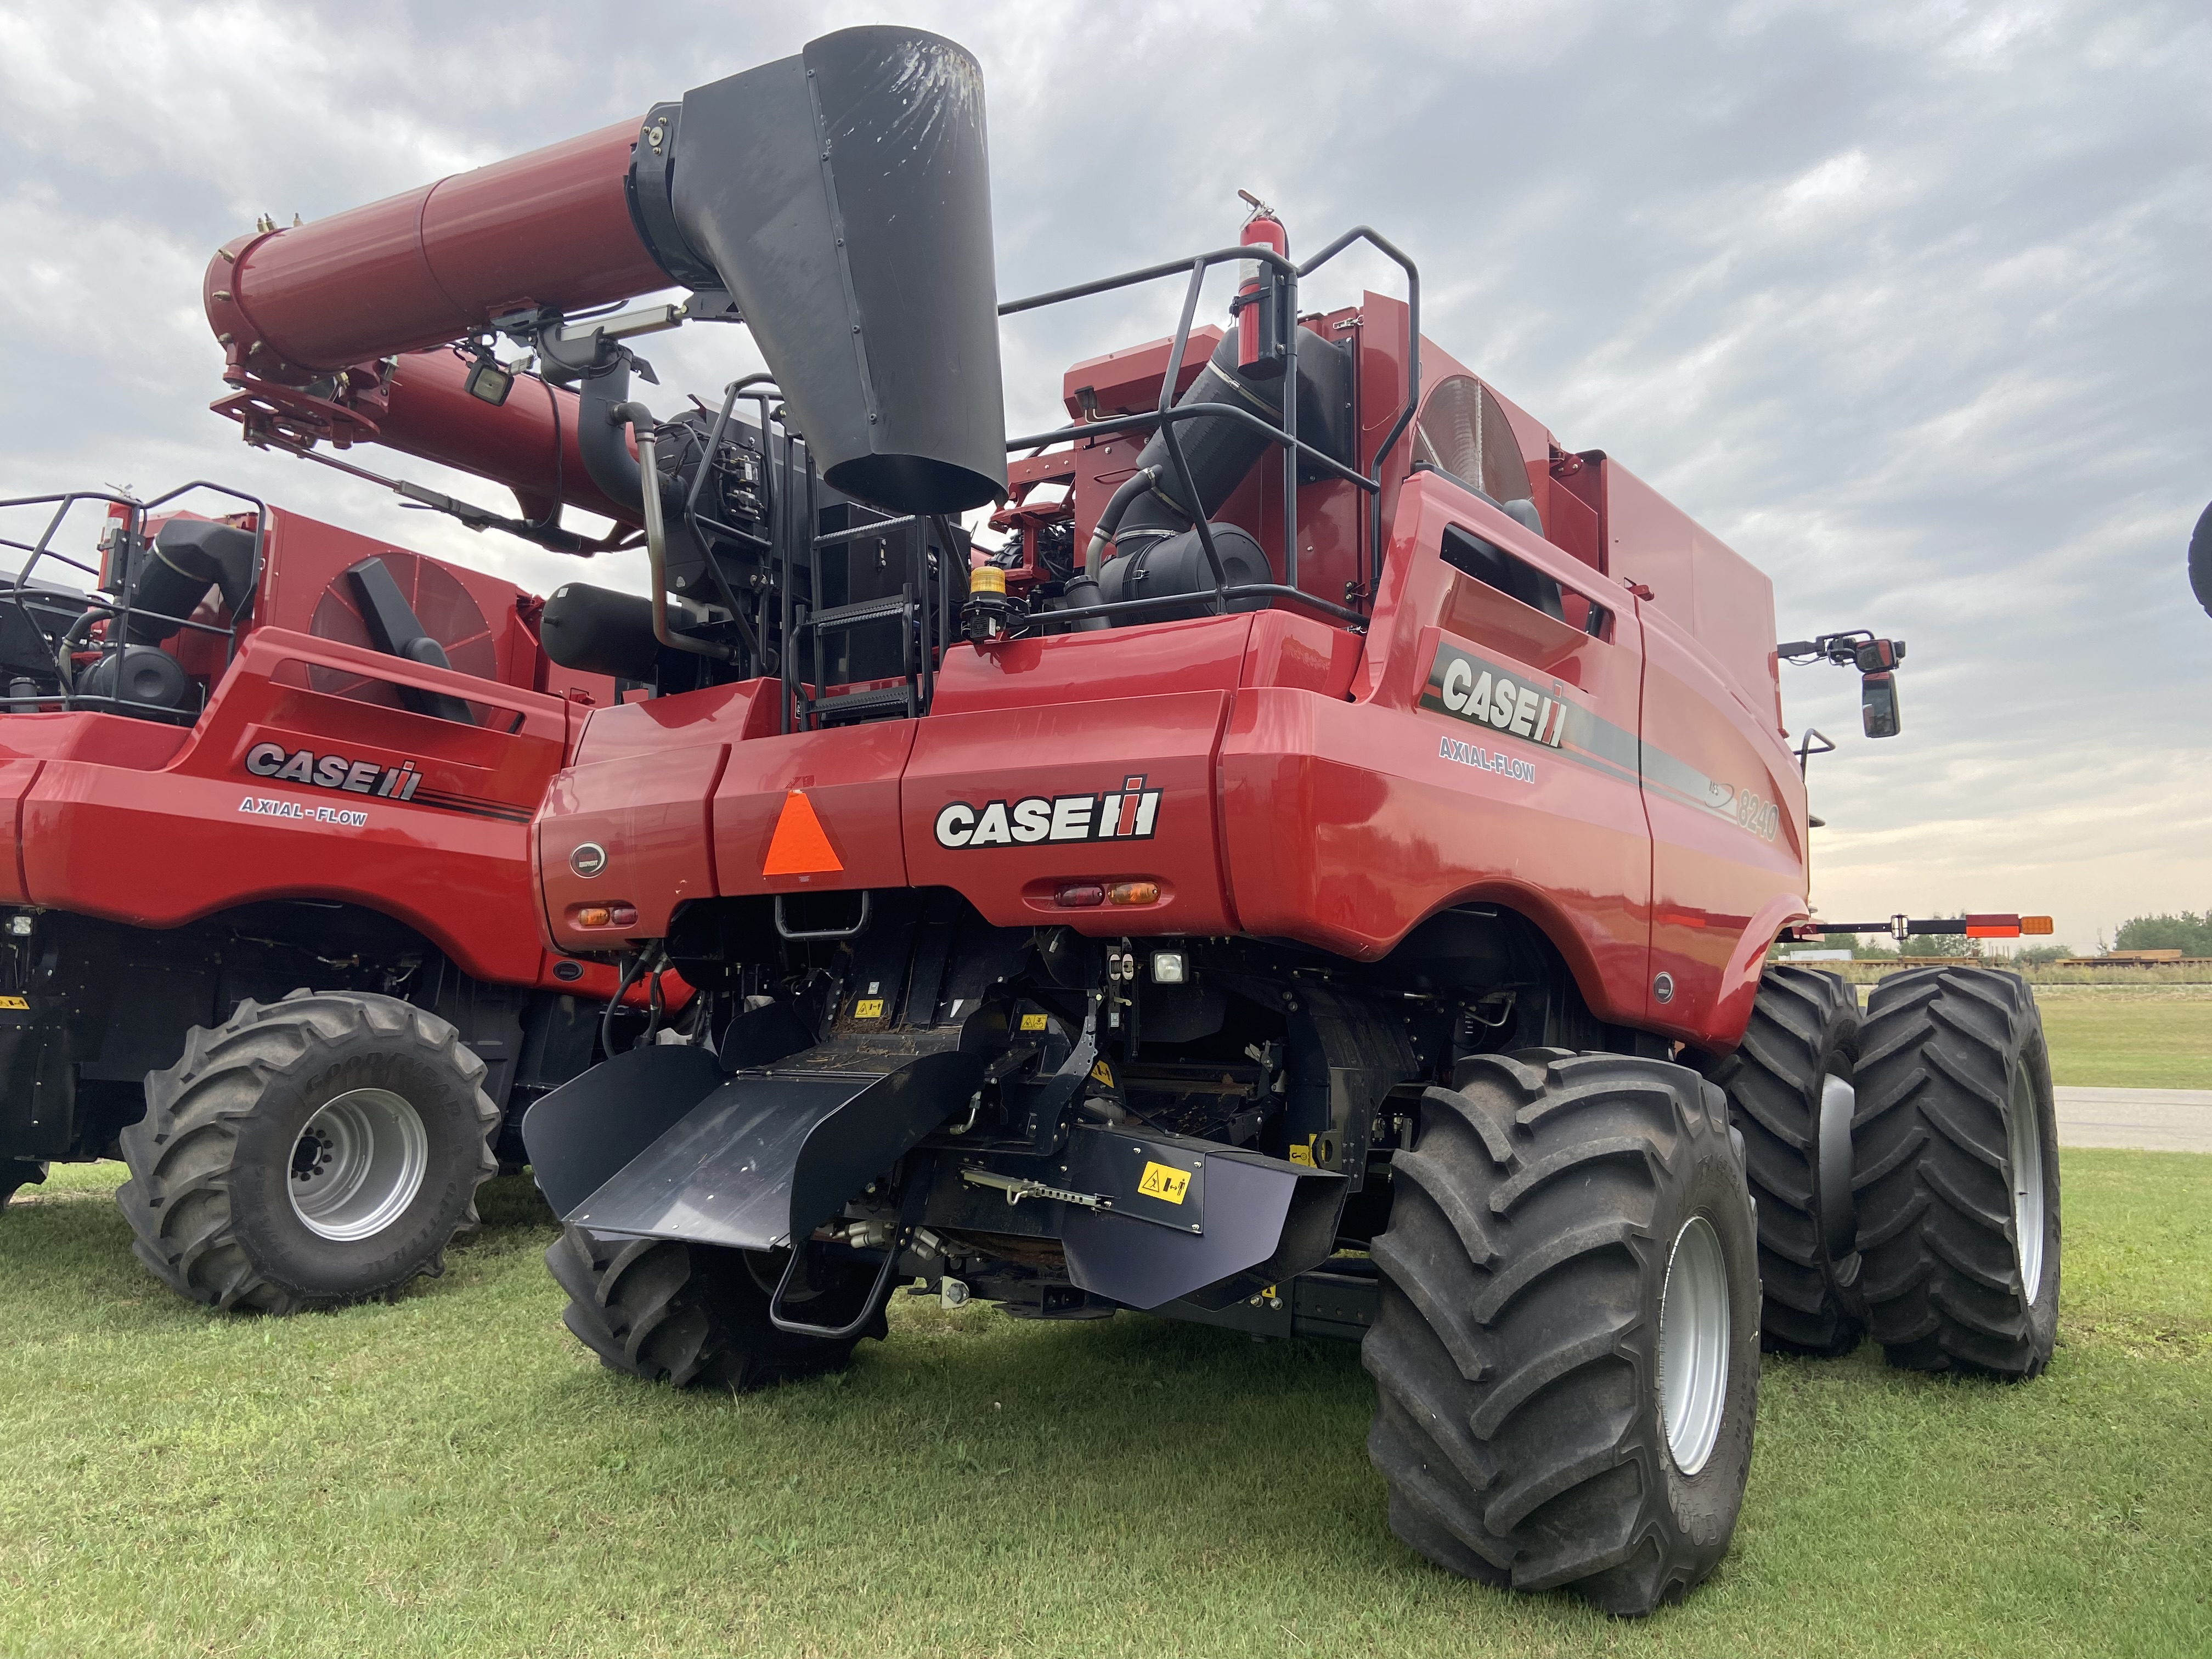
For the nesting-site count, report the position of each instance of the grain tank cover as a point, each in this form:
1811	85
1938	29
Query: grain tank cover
844	194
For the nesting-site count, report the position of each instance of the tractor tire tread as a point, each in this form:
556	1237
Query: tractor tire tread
665	1311
1506	1424
183	1152
1935	1208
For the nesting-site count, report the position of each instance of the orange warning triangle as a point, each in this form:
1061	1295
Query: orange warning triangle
799	847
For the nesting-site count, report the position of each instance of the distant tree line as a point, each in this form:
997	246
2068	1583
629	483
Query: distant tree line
2188	932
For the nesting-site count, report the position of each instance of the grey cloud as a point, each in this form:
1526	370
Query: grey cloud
1908	302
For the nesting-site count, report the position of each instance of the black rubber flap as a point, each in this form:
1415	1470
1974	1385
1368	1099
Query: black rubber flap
770	1156
845	196
1266	1221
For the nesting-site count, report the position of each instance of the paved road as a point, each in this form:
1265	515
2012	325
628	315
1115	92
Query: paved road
2161	1120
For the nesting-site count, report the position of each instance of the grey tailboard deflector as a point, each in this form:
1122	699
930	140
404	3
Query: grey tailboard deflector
1265	1220
581	1133
770	1155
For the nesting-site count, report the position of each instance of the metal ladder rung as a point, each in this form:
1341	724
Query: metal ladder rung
852	704
838	616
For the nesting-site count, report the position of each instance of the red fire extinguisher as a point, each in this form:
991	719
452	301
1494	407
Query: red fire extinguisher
1263	330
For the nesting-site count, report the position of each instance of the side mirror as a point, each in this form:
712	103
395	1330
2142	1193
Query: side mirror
1878	710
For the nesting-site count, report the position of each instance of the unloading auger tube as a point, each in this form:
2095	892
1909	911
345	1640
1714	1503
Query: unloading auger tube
773	195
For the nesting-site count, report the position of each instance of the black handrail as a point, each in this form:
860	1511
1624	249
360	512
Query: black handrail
119	612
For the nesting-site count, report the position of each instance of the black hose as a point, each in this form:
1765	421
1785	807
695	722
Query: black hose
631	969
1110	519
600	395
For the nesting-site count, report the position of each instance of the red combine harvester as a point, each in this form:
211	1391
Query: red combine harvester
262	754
1315	877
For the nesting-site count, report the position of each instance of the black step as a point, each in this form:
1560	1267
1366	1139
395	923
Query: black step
852	616
862	705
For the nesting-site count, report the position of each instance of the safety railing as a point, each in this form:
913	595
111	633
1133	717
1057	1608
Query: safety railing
79	613
1167	418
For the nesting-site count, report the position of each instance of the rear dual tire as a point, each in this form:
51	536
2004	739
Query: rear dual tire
1566	1351
1956	1152
1791	1092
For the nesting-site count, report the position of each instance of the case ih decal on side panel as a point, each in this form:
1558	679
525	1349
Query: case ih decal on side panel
369	777
1127	814
359	777
1484	694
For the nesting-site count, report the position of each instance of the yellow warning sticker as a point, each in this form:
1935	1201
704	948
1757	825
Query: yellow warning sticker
1304	1154
868	1008
15	1005
1165	1183
1032	1022
1102	1072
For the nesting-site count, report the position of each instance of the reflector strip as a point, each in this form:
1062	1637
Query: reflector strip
799	847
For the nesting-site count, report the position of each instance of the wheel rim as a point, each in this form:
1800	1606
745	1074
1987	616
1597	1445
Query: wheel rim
1694	1345
358	1164
2024	1142
1839	1213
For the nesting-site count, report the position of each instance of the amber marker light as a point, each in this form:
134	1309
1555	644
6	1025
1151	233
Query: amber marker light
1133	892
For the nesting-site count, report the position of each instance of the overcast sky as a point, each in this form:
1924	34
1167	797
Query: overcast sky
1911	304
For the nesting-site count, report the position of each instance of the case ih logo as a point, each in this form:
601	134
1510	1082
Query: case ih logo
1472	689
1127	814
356	777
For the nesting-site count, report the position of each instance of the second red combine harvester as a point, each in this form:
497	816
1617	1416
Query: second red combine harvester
267	927
1316	878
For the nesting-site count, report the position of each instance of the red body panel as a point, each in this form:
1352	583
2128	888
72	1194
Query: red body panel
1727	830
1095	752
1397	819
159	846
850	778
1619	780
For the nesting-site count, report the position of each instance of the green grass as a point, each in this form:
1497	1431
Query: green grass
2126	1036
2146	1037
451	1474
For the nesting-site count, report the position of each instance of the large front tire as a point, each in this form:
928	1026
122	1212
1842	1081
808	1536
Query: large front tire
306	1153
1790	1091
1956	1147
1566	1353
685	1314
